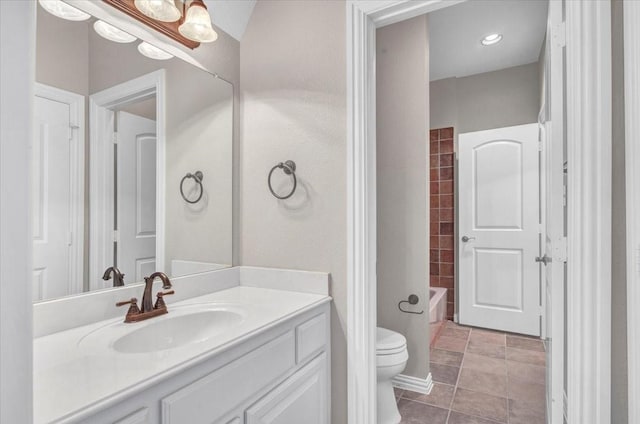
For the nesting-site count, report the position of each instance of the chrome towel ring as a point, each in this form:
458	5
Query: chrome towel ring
198	176
289	168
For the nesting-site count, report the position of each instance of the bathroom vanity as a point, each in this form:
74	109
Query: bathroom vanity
240	345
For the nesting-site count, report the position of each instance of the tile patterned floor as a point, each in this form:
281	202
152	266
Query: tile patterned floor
480	377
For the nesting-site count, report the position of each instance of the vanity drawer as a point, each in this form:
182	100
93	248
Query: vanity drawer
302	398
311	338
141	416
214	395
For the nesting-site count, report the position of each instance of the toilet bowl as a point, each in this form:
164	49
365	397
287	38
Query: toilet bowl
391	358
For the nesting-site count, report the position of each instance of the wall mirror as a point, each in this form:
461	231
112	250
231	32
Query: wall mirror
131	161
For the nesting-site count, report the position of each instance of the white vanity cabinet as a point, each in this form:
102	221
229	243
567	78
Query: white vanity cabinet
279	376
302	398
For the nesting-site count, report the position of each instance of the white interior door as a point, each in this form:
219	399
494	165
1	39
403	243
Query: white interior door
555	244
136	196
499	225
51	188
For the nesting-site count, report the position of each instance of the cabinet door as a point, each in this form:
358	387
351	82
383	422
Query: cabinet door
213	397
302	398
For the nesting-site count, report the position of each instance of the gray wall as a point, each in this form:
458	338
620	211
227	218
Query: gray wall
619	397
145	108
293	83
62	53
484	101
402	182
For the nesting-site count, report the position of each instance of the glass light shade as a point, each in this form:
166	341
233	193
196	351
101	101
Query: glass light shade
153	52
112	33
160	10
197	24
63	10
491	39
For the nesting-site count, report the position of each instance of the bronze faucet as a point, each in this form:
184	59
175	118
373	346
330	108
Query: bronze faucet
148	309
147	303
118	277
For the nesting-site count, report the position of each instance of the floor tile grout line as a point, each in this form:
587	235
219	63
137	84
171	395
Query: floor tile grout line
524	349
455	388
460	374
422	403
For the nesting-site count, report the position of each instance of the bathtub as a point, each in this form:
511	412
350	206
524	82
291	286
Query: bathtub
437	304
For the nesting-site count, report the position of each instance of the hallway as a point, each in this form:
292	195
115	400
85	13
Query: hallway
480	377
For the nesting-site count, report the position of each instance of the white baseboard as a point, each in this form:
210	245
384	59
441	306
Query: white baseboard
415	384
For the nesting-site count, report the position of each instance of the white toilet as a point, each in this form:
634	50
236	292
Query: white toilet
391	358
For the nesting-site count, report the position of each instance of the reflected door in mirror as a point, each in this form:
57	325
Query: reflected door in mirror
136	196
51	200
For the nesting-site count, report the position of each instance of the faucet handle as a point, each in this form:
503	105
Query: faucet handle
132	301
160	301
133	309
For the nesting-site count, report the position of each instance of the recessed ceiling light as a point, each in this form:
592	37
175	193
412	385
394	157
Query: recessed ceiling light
112	33
153	52
63	10
491	39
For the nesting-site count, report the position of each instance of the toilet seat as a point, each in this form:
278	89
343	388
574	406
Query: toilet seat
389	342
391	348
391	351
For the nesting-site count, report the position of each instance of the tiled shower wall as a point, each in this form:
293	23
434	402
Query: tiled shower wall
442	213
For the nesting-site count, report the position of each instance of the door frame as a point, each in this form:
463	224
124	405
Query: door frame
552	183
588	38
77	126
102	178
632	158
17	76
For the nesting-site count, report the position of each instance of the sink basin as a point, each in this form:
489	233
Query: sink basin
182	326
176	331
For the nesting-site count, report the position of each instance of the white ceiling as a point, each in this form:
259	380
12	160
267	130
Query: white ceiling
455	33
232	16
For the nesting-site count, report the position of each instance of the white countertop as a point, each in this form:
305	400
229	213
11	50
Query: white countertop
74	375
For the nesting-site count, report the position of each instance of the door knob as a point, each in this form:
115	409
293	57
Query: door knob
466	239
545	259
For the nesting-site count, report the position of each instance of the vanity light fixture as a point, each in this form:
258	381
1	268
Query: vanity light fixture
153	52
63	10
160	10
197	24
112	33
491	39
186	21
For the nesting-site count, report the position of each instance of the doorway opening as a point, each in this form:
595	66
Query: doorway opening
127	179
495	168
